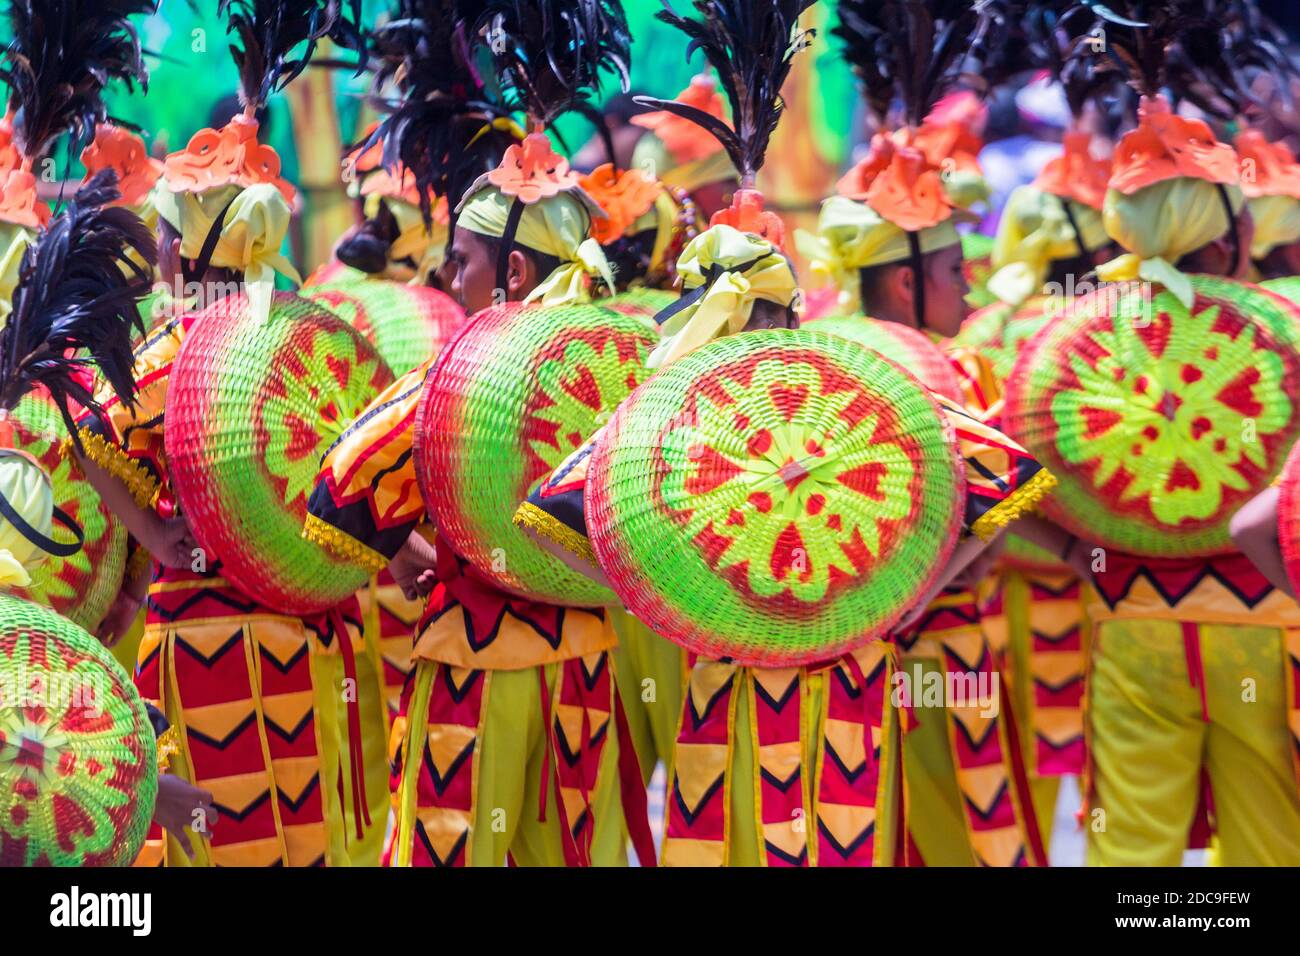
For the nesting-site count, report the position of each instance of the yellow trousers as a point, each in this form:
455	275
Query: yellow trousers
1151	734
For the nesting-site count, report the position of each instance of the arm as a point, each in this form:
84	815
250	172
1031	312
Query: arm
1073	550
168	540
1254	531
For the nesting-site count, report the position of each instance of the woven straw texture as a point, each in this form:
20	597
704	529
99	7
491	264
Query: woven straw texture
908	347
641	301
1288	287
1288	516
406	324
510	398
776	497
252	407
82	586
78	772
333	273
977	264
1159	422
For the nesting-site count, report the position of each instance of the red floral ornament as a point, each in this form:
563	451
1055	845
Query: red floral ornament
1166	145
746	214
10	158
625	195
18	200
123	152
684	140
230	155
900	183
1076	174
531	170
1267	169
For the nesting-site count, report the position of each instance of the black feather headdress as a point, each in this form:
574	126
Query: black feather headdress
271	33
1194	50
62	56
76	302
549	54
909	53
435	128
751	46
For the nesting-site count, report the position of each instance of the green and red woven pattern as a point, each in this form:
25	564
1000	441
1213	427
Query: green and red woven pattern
82	586
1288	287
1288	516
252	406
908	347
999	331
510	398
777	497
641	301
977	251
1158	422
406	324
333	273
78	769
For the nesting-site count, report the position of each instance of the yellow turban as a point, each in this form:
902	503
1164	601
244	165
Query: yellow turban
1159	224
558	225
851	236
14	240
734	269
652	157
26	487
1033	231
1277	223
254	229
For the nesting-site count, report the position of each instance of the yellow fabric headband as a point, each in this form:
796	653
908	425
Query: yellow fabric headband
735	269
558	226
1277	223
852	236
1034	230
255	226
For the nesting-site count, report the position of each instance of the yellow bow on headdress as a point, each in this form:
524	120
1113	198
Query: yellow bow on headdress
255	226
723	272
1034	230
26	487
14	240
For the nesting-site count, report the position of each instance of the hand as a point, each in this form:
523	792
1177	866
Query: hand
117	622
172	543
182	809
1078	555
413	567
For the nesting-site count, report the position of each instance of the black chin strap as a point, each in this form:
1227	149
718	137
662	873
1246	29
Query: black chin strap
192	273
1232	228
918	276
60	549
1078	233
508	244
687	299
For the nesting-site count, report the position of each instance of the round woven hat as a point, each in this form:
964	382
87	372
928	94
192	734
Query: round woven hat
908	347
1288	287
1159	422
406	324
252	407
776	497
641	301
999	331
81	586
333	272
1288	515
515	393
78	770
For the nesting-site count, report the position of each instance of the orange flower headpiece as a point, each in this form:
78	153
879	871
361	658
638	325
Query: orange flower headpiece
687	141
746	214
949	132
123	152
532	170
1267	169
230	155
18	200
1165	146
625	195
900	182
10	158
1076	174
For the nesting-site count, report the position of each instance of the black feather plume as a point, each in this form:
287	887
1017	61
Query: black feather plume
549	54
78	289
427	52
62	56
751	46
277	39
912	52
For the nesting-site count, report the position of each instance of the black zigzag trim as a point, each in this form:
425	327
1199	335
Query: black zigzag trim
778	704
440	782
457	850
698	718
1172	598
208	660
846	852
782	785
307	791
224	742
705	800
224	811
780	854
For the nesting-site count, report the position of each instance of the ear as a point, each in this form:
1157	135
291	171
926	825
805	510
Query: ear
519	273
902	284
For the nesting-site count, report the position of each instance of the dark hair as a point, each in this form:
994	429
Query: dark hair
629	257
367	248
545	263
871	281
